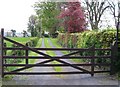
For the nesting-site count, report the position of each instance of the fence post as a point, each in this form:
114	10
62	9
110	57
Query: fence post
26	54
1	53
92	60
113	54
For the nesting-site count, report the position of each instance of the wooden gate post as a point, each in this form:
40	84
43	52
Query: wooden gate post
113	59
1	53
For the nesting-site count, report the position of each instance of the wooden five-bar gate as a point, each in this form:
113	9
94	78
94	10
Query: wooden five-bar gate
60	59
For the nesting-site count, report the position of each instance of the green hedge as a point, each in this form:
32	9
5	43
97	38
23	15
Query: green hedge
101	39
68	40
33	42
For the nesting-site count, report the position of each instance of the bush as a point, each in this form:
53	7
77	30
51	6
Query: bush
68	40
101	39
33	41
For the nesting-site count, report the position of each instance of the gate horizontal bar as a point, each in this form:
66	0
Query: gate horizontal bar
51	65
57	57
62	49
42	73
67	49
49	73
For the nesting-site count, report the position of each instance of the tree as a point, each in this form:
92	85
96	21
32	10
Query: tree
31	25
95	11
47	12
25	33
13	33
116	14
114	10
73	16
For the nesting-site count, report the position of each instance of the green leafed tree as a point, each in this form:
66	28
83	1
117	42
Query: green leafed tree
13	33
31	25
47	14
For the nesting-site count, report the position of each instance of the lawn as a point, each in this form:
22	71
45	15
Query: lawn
18	39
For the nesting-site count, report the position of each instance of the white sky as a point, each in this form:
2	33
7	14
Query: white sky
14	14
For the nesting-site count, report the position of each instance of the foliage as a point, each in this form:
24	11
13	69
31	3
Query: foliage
87	39
25	33
31	25
73	16
68	39
33	41
101	39
13	33
47	12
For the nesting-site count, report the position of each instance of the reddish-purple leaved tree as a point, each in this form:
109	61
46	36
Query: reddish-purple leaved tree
73	16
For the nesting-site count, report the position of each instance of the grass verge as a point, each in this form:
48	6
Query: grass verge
57	45
51	53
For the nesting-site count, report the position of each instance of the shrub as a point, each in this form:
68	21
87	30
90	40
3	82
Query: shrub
86	39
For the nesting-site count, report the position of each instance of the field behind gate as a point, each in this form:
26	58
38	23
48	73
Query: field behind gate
22	40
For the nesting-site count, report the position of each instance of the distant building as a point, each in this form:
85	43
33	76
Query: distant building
8	34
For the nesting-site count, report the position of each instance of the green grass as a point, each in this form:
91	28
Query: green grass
51	53
57	45
18	39
47	45
31	61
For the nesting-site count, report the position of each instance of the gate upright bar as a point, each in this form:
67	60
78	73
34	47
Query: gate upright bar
2	42
0	56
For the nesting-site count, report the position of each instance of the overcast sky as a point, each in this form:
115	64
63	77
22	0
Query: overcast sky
14	14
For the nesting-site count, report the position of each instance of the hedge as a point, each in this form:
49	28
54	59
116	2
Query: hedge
67	40
101	39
